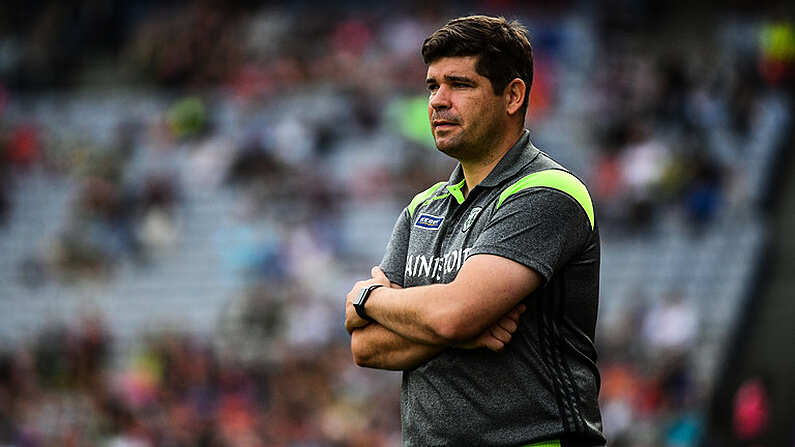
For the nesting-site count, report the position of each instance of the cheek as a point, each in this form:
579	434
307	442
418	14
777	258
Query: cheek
476	110
490	109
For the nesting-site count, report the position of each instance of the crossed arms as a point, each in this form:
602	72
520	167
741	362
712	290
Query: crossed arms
479	309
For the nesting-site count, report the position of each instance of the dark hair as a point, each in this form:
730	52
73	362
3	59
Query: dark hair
503	49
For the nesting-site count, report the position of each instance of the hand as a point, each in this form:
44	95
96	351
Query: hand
379	275
352	318
497	336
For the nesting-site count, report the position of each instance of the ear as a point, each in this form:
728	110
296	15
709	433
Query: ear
514	96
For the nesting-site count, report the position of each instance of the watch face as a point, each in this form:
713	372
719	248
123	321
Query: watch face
360	296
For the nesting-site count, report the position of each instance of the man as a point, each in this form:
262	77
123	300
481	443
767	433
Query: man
487	295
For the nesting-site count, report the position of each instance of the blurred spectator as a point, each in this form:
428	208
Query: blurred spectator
23	147
158	227
751	409
670	327
5	185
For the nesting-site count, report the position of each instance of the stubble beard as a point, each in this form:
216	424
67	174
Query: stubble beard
456	147
464	147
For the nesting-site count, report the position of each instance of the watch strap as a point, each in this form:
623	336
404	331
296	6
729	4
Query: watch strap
364	295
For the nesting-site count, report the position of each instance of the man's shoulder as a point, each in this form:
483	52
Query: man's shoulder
423	196
551	176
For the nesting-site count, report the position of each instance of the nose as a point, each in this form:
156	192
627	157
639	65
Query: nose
440	99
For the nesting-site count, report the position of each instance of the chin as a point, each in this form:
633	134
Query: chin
451	150
443	145
452	144
447	144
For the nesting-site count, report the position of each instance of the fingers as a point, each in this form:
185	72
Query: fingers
500	334
516	312
355	323
497	337
351	326
357	286
507	324
352	318
379	275
493	344
510	321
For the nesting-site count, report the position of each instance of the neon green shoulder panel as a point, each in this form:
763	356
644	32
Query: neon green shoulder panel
555	179
421	197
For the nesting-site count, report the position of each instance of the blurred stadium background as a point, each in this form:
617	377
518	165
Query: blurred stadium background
188	190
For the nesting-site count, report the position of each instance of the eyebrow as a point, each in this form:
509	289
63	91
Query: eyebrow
452	78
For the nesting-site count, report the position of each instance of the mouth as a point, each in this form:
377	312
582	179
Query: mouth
444	125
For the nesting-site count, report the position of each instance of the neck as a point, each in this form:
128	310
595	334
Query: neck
475	170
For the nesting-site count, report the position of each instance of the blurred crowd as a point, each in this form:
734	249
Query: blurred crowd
307	115
174	390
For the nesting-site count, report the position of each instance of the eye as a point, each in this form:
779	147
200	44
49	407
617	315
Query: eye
432	87
461	85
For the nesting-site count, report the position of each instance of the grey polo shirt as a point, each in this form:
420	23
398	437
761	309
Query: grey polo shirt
544	384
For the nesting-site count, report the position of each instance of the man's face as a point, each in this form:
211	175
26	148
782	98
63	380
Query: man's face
466	116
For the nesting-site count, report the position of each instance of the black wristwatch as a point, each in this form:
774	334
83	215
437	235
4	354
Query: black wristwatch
361	299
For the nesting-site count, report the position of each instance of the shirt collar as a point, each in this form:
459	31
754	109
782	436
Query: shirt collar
517	157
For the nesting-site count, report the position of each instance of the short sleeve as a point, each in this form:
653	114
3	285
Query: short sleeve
394	262
542	228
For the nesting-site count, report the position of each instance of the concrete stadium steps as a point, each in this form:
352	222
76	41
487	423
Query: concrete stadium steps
713	273
183	286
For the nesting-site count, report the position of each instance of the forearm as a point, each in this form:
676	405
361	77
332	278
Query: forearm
374	346
425	314
486	288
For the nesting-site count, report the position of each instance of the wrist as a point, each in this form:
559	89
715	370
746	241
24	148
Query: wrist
362	298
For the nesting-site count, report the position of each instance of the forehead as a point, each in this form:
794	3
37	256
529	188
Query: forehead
456	65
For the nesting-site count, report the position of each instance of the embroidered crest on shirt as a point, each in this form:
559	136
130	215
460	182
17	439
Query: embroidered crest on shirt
471	218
